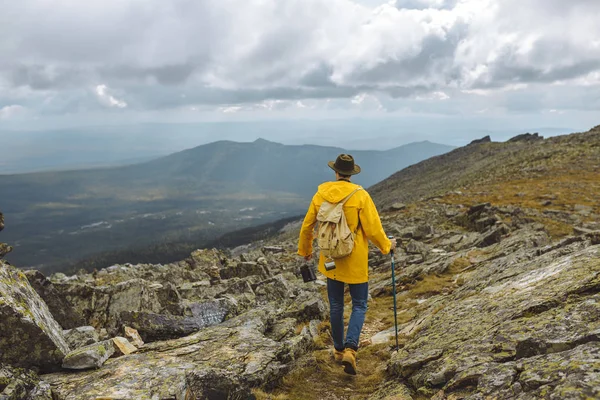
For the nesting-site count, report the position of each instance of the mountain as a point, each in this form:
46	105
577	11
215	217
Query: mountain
191	196
497	299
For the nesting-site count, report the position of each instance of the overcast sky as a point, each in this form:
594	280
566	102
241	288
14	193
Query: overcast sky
529	63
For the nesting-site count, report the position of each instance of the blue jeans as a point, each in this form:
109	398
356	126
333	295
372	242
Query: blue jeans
359	293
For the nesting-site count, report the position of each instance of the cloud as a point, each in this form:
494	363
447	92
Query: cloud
11	111
271	55
106	99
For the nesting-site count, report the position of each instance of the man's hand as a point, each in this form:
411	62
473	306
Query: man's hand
393	242
308	257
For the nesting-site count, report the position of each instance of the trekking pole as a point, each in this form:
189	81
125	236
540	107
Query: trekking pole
394	294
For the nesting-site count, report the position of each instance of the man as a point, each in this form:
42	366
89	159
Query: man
363	219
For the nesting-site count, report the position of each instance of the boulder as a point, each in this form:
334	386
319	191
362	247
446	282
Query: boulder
17	383
238	354
244	269
217	384
210	312
30	336
153	326
60	308
101	306
81	336
92	356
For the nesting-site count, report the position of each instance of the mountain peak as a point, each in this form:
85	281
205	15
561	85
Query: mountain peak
262	141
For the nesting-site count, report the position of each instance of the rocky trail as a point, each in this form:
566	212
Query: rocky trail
498	298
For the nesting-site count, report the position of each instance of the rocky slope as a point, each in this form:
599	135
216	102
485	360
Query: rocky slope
498	284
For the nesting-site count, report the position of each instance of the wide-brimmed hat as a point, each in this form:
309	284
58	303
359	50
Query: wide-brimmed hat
344	165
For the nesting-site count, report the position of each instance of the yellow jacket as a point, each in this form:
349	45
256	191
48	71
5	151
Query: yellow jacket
359	208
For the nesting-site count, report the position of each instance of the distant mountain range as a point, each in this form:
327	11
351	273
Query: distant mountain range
194	196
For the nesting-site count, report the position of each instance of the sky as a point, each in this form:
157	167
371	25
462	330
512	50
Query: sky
482	64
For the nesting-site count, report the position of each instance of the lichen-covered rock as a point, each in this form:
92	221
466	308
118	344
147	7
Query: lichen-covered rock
5	249
29	335
101	306
22	384
392	391
92	356
244	269
239	349
495	333
153	326
81	336
63	312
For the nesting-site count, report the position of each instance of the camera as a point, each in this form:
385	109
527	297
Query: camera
329	265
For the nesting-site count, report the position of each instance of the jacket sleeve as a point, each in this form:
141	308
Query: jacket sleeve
371	224
305	243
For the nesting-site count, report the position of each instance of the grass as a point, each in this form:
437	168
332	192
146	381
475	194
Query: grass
558	190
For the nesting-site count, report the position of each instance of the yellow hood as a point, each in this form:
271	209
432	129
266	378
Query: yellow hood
334	192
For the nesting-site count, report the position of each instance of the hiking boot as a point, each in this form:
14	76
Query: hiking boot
349	361
338	356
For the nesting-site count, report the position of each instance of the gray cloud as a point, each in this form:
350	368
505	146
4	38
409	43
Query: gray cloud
197	53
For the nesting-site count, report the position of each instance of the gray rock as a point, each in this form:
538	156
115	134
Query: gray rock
30	335
61	309
153	326
211	312
237	350
273	249
17	384
274	289
244	269
92	356
81	336
5	249
398	206
217	384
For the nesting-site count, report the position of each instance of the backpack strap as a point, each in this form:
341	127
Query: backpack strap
350	195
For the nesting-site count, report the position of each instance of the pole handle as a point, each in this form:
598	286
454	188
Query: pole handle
391	237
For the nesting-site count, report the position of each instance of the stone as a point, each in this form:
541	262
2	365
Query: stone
307	307
422	232
134	336
92	356
384	336
273	249
17	383
29	335
274	289
122	346
211	312
244	269
1	221
101	306
398	206
237	352
391	391
81	336
5	249
61	309
217	384
153	326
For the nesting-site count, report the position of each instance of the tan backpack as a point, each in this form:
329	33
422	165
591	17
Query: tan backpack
334	237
